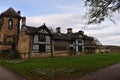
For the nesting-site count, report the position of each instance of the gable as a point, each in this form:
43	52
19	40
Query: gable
40	30
43	31
11	13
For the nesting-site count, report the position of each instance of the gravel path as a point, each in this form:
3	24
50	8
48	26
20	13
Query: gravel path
108	73
8	75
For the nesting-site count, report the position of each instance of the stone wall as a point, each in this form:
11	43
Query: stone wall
5	47
24	44
8	36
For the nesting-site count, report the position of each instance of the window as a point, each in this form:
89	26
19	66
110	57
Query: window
10	24
36	48
80	48
41	43
36	39
42	37
79	40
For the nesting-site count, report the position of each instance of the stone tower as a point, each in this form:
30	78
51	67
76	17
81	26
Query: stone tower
9	29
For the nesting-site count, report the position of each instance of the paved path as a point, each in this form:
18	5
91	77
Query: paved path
108	73
8	75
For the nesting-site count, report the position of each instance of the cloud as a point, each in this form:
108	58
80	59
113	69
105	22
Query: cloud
58	20
108	34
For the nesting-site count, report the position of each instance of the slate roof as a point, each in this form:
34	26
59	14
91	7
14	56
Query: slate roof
74	35
60	36
29	29
69	36
88	40
10	12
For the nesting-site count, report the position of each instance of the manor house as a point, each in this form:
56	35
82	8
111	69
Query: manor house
33	42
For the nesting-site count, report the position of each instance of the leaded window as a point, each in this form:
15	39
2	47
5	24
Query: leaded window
36	48
36	38
42	37
79	40
47	39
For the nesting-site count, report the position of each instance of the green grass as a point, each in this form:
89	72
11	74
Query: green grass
60	67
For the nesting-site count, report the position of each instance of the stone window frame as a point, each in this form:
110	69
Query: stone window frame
10	24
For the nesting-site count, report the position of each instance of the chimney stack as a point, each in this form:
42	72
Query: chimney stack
69	30
23	21
58	30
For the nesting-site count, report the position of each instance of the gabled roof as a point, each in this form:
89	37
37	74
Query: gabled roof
44	27
10	12
33	30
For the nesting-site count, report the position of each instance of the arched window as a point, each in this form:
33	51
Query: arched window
10	24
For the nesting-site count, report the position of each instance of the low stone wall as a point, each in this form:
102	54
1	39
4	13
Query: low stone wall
39	55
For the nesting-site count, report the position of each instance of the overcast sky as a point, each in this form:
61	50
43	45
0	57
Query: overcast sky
65	14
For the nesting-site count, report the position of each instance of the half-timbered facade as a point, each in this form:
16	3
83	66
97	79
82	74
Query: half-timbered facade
40	41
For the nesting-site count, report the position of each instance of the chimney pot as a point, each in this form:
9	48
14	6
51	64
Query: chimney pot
19	12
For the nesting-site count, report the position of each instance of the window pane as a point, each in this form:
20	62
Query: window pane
35	38
36	48
47	39
42	37
48	48
79	40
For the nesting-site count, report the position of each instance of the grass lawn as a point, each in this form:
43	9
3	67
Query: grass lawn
60	67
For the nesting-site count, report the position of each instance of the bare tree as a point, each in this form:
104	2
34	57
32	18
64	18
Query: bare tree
98	10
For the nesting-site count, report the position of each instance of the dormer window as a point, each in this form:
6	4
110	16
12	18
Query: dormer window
10	24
